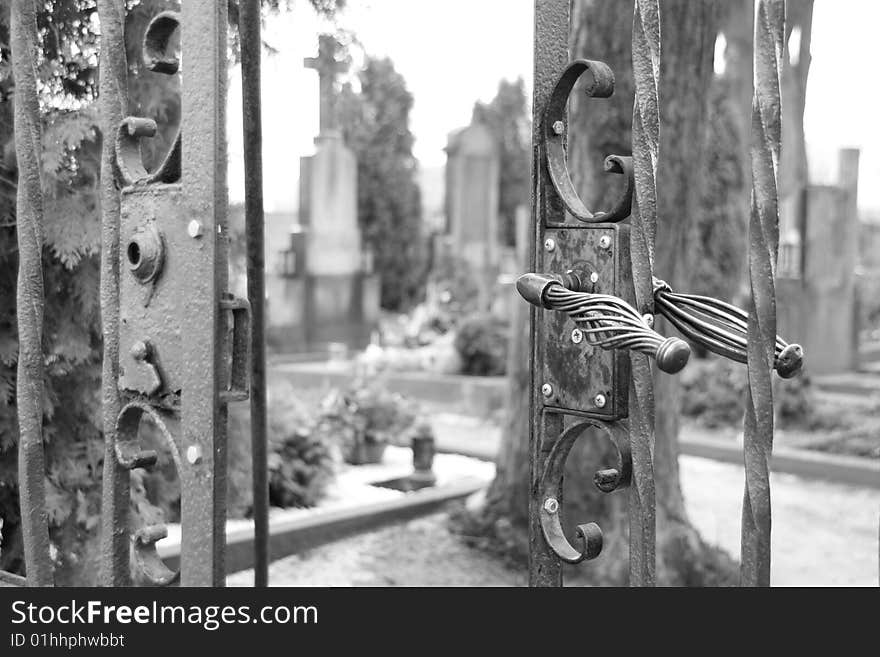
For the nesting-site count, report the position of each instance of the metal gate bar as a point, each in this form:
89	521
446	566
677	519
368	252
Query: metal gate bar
763	250
552	18
29	297
251	47
645	153
203	176
113	105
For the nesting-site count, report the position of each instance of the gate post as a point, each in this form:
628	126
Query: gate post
552	19
203	174
180	360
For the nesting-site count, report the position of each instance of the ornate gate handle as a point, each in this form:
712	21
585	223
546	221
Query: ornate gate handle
720	327
608	321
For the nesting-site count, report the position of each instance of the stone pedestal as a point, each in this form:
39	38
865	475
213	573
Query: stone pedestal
328	209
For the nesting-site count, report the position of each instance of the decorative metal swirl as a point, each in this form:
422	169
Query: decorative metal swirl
148	567
606	480
646	152
607	321
720	327
600	86
763	251
159	58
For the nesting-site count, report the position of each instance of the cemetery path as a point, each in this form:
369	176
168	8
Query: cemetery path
824	534
420	552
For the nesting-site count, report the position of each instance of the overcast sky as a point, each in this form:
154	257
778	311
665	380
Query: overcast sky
454	52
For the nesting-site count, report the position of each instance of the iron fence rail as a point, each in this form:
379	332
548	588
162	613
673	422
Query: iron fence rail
29	297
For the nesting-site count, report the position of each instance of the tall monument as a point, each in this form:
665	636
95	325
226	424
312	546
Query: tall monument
328	179
325	292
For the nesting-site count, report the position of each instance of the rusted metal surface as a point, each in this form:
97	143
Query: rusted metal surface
645	147
720	327
29	296
113	105
577	371
203	124
177	363
763	250
592	297
251	45
551	58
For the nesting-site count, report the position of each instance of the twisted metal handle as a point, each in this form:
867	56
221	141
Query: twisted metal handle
720	327
607	321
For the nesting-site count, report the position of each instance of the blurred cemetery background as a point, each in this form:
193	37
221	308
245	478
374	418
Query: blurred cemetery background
397	173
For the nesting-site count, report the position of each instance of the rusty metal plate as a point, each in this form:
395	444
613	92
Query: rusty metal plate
580	376
157	256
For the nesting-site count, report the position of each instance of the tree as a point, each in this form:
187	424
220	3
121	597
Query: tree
68	71
507	117
375	124
602	30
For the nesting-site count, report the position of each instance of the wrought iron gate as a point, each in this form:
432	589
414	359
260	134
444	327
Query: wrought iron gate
178	347
595	297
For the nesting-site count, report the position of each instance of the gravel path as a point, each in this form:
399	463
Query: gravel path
823	535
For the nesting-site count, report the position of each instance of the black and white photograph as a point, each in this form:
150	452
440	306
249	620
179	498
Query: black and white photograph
316	295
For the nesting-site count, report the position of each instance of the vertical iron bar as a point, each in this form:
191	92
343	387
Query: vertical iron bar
763	249
645	145
29	296
203	176
113	100
251	46
552	24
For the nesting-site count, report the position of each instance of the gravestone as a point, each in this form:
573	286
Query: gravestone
325	291
817	304
472	173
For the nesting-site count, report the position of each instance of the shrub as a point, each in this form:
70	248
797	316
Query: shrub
300	462
714	393
482	342
300	465
362	419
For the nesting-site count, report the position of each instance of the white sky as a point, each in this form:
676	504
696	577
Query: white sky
454	52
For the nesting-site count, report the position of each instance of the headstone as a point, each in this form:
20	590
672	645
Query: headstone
325	292
472	173
818	306
328	181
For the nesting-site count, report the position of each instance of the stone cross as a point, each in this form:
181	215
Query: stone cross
328	65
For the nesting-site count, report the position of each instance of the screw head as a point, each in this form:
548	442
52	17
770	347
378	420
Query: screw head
594	277
194	454
558	127
547	390
604	242
139	350
649	319
549	245
195	229
551	505
600	401
577	336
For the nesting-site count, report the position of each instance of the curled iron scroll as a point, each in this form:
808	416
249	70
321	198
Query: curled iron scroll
606	480
148	565
601	86
159	58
